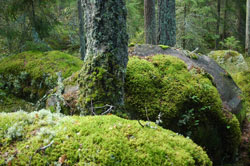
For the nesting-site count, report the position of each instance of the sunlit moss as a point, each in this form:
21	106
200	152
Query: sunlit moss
99	140
187	101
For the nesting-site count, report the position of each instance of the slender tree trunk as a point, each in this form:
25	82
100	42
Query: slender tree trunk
167	22
101	79
247	47
242	21
225	21
81	29
150	21
184	26
218	24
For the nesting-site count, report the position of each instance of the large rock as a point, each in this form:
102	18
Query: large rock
229	92
231	61
43	138
29	75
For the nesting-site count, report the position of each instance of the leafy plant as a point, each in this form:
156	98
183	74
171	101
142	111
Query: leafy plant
231	43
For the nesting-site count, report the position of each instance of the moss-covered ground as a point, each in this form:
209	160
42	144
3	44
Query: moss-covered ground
43	138
29	75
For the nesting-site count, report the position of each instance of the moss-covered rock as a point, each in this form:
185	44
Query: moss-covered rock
243	81
43	138
187	101
29	75
10	103
231	61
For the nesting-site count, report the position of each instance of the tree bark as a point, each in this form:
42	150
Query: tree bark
101	79
167	22
247	47
184	26
225	21
150	21
218	24
81	29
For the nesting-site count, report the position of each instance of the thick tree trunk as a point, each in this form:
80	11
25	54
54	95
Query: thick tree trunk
247	47
102	77
218	24
167	22
81	29
150	21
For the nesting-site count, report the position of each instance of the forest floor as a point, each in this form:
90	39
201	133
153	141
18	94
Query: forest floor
245	142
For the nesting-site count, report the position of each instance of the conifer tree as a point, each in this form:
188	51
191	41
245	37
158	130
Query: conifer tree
102	77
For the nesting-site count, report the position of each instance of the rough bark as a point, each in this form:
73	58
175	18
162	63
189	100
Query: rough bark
167	22
218	23
184	26
224	36
101	79
81	29
247	47
150	21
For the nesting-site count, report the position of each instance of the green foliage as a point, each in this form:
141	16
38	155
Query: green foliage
10	103
231	61
162	84
99	140
135	20
30	74
231	43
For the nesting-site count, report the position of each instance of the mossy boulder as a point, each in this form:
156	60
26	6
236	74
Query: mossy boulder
10	103
186	101
29	75
230	93
231	61
43	138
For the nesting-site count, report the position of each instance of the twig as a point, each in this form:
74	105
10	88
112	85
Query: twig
195	50
40	149
109	110
147	113
140	123
92	108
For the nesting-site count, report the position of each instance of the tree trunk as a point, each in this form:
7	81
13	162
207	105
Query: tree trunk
218	24
247	47
184	26
225	21
149	21
167	22
101	79
81	29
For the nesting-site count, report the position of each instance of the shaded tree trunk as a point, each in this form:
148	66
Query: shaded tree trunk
242	21
81	29
218	24
166	34
184	26
247	47
101	79
224	36
150	21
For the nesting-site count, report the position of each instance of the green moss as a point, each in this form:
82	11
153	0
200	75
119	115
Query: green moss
10	103
187	100
101	82
131	45
231	61
30	74
164	47
243	81
99	140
